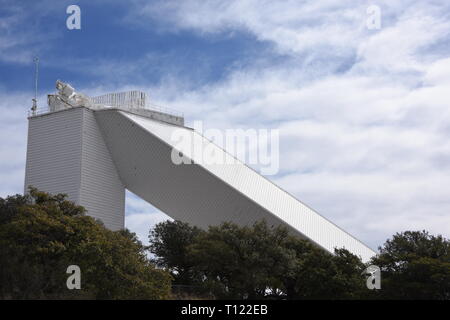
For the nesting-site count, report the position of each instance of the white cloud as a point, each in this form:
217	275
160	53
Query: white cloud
293	26
394	48
438	73
13	139
20	37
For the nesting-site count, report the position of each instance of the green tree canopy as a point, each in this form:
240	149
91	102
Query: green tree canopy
317	274
414	265
41	235
255	262
169	242
242	262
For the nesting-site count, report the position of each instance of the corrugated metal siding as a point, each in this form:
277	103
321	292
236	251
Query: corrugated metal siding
208	194
188	193
66	154
102	192
54	153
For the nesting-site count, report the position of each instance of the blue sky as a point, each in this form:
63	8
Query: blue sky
363	115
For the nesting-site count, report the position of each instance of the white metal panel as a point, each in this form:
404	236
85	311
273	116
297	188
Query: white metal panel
66	154
101	191
54	153
208	194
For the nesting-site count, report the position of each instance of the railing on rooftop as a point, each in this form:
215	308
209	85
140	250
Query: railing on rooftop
38	111
130	100
134	99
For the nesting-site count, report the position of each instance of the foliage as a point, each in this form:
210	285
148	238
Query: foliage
241	262
41	235
169	241
256	262
316	274
414	265
266	262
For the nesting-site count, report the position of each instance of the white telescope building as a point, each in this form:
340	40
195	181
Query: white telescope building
93	149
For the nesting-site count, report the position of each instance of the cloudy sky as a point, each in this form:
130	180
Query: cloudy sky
363	114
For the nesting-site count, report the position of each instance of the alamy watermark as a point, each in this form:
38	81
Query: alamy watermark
259	147
73	21
373	21
373	281
74	280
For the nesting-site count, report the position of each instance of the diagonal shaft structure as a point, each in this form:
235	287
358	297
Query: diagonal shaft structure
94	154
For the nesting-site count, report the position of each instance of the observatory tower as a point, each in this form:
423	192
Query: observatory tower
94	148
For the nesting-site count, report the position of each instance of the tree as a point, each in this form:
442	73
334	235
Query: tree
242	262
317	274
41	235
169	242
256	262
414	265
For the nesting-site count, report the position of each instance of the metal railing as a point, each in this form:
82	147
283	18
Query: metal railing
166	110
134	99
130	100
39	111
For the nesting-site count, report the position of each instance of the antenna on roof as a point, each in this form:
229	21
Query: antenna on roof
36	63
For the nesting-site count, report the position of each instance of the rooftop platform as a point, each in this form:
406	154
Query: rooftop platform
135	102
